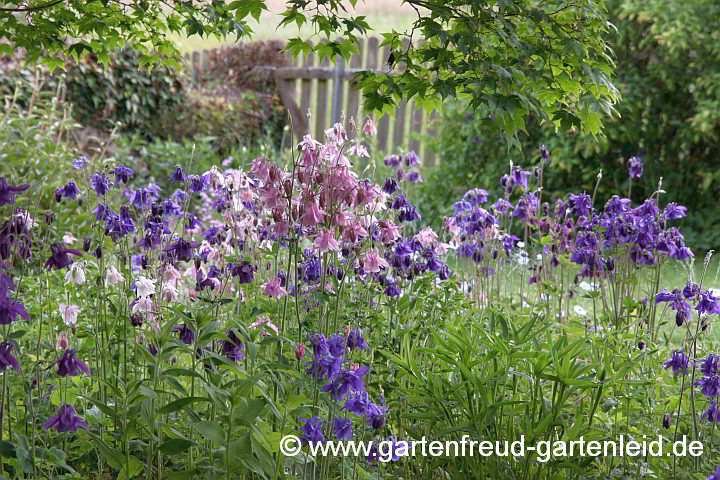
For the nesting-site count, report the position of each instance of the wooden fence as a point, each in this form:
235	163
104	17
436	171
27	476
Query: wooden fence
318	95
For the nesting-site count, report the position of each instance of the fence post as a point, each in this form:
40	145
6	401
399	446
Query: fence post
338	83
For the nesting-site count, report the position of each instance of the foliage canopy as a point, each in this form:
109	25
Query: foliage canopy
513	57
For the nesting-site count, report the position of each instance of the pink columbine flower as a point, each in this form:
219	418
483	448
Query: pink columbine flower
313	215
426	237
359	150
325	241
374	262
299	351
264	321
354	366
389	232
69	238
260	168
62	342
170	293
273	288
171	275
369	128
354	231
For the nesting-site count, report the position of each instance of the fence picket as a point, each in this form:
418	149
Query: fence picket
320	112
383	126
354	95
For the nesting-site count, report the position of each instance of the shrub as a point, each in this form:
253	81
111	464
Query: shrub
124	92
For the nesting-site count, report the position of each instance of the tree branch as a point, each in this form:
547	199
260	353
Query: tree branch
32	9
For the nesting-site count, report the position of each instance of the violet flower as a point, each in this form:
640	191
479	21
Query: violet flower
66	420
69	365
7	192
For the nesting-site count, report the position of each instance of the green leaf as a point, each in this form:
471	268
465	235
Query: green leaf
179	404
210	430
176	445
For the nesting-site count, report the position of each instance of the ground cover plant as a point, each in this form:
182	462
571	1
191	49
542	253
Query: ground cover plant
179	323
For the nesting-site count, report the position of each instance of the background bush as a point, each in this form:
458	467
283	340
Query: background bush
667	116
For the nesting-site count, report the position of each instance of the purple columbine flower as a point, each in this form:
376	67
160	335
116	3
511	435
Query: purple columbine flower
6	358
414	176
197	183
580	205
69	365
186	334
7	192
243	270
342	428
100	183
68	191
142	198
707	304
355	340
80	163
66	420
178	175
233	347
390	185
712	414
518	176
476	196
679	362
123	174
412	159
674	211
635	167
182	249
710	365
336	345
10	310
392	160
710	386
346	381
312	430
60	256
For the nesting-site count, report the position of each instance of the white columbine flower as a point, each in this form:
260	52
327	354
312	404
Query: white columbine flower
144	304
75	274
113	277
69	239
69	313
579	310
144	286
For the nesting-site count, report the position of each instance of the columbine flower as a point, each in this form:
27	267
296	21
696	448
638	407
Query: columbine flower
69	313
707	304
325	241
264	321
426	237
299	351
711	365
369	127
10	309
355	340
342	428
312	430
100	183
635	167
123	174
710	386
712	414
233	347
113	277
518	176
66	420
186	334
6	358
414	176
7	192
716	475
373	262
80	163
178	175
313	215
60	256
144	286
75	274
679	362
182	249
243	270
273	288
69	365
345	382
666	421
143	304
62	342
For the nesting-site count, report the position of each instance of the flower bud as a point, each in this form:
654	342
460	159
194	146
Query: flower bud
299	351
